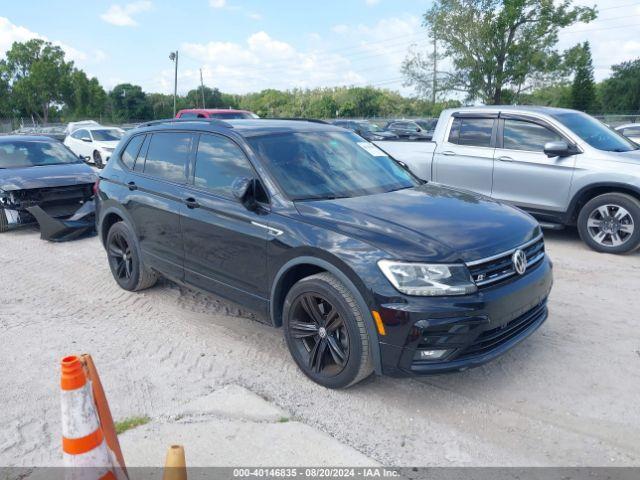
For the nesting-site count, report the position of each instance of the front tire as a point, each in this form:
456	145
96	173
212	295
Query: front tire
325	332
610	223
125	261
97	159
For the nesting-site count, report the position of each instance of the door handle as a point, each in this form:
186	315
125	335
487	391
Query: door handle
191	203
448	153
505	159
132	186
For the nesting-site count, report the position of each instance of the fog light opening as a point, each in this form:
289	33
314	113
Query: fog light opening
430	354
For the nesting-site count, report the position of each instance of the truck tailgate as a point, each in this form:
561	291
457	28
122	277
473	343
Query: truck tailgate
418	155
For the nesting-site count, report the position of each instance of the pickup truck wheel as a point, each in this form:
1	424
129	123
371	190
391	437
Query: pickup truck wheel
4	223
325	332
125	261
611	223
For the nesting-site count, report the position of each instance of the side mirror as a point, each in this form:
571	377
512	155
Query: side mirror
85	139
243	190
558	149
418	129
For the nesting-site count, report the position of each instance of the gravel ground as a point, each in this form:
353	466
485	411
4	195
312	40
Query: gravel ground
567	396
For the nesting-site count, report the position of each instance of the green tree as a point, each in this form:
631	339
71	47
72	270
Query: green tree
583	88
38	75
129	102
84	97
495	45
620	93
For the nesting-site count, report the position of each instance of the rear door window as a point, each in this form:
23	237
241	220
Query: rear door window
523	135
219	162
475	132
168	155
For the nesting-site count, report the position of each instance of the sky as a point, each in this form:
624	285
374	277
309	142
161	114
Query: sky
248	45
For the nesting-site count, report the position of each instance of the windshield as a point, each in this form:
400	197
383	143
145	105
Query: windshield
594	132
427	124
370	127
233	115
107	135
316	165
34	153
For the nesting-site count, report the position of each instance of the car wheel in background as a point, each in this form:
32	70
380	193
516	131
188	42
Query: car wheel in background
325	332
97	159
4	223
611	223
125	261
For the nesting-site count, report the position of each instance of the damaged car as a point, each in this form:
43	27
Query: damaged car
42	181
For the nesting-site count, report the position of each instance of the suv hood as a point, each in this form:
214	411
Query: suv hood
12	179
426	223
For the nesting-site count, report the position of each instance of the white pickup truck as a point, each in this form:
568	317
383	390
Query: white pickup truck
562	166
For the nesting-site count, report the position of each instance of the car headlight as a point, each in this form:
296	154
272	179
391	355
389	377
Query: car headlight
428	280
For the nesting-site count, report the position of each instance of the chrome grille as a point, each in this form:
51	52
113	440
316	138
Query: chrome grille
498	268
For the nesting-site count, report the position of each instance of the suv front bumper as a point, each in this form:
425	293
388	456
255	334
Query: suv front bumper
467	331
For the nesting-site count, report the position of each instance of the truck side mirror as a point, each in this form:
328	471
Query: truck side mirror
558	149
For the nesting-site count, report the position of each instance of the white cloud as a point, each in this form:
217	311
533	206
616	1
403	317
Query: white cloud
122	16
371	3
10	33
217	3
612	37
259	62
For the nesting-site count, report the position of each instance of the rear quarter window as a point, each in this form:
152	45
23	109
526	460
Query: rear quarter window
130	153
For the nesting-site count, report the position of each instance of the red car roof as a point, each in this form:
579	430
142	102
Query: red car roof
210	110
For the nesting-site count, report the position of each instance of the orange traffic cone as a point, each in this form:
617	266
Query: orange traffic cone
83	443
175	467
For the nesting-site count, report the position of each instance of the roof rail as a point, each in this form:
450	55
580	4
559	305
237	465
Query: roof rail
299	119
211	121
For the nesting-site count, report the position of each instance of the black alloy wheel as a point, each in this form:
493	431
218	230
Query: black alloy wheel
124	258
120	257
320	334
325	331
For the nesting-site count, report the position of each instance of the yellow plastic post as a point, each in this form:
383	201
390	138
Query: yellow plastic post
175	467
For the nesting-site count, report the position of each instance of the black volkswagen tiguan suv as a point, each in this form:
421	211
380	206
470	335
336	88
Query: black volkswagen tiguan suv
364	266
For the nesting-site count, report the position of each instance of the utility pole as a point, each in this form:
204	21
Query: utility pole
202	85
174	57
435	70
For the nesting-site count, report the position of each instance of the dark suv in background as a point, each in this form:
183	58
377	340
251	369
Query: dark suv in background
366	267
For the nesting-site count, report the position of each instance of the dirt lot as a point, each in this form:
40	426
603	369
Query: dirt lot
567	396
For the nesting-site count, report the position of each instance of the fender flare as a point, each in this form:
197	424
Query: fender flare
121	212
374	342
614	186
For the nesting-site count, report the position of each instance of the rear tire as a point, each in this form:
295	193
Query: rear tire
4	223
610	223
97	159
125	261
325	332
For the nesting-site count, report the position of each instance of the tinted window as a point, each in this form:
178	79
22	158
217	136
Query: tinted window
631	131
519	135
219	162
107	134
139	167
454	133
594	132
130	153
32	153
81	134
475	132
231	115
188	115
167	156
315	165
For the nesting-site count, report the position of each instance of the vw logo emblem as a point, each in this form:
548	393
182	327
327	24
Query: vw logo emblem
519	260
